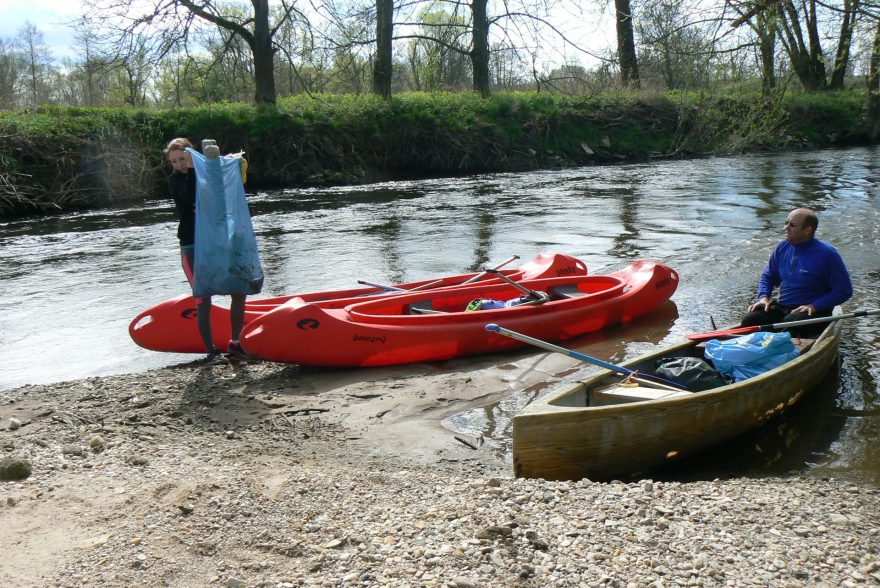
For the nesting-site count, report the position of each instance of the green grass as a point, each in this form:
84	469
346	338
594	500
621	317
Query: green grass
361	137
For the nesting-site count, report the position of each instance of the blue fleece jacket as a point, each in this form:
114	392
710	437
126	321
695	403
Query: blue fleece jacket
808	273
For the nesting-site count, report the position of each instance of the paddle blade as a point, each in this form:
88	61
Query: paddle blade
722	333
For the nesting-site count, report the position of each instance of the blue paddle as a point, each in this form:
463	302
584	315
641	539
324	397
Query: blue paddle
645	378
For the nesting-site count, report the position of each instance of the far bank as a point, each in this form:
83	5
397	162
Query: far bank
55	159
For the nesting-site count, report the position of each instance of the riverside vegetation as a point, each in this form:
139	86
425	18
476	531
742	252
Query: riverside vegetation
54	159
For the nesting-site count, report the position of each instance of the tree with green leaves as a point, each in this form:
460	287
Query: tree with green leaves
170	24
37	61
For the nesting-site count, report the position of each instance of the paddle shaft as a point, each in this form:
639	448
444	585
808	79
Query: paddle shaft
534	295
497	267
644	378
381	286
776	326
396	289
435	282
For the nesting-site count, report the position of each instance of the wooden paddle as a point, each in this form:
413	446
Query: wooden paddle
647	379
777	326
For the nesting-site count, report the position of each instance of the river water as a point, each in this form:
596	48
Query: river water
72	283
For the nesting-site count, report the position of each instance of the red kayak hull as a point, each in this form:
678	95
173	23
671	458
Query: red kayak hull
171	325
385	331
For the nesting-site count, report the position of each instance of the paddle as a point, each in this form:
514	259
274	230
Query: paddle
776	326
497	267
643	378
396	289
537	297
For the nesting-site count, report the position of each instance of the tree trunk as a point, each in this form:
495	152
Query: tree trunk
873	83
480	51
767	35
626	45
264	55
841	60
382	67
807	61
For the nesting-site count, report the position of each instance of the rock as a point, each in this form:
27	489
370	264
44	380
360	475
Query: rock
14	468
14	424
186	508
72	449
97	443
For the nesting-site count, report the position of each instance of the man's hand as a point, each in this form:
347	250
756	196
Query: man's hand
807	308
763	303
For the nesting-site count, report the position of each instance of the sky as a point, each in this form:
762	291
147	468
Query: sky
49	17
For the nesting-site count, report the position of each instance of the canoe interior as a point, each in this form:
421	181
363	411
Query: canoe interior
456	301
582	431
617	389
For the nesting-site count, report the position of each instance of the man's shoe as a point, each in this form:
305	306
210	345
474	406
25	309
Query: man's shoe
235	349
214	357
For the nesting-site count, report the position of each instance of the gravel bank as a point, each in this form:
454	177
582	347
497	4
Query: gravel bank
264	475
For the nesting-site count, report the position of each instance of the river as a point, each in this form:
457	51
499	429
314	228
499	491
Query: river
71	283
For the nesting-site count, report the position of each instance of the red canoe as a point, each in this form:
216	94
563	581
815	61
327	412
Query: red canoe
171	325
396	329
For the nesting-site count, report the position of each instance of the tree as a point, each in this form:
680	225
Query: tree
673	49
37	60
171	22
10	71
800	27
382	64
873	84
479	52
841	59
89	71
437	57
626	46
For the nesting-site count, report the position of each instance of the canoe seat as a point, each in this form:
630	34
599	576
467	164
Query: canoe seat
624	394
420	307
802	345
564	291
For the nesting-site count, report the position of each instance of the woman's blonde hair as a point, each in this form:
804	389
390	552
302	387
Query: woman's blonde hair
178	144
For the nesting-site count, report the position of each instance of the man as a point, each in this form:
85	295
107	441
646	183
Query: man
810	273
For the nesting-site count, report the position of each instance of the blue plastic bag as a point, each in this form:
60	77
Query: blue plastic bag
751	355
226	257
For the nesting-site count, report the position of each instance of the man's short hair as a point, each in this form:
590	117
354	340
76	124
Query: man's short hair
811	220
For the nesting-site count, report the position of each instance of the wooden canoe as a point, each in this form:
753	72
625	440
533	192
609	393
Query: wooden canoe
593	430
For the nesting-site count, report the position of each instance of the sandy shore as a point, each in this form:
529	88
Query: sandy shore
268	475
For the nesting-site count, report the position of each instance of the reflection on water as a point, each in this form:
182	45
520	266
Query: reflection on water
71	283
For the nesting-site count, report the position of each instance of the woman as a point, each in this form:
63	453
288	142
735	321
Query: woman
182	183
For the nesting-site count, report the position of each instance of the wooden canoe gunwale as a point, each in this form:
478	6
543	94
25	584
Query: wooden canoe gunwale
557	440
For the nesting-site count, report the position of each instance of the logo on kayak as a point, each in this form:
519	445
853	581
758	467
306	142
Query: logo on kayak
566	271
663	283
188	313
308	324
368	339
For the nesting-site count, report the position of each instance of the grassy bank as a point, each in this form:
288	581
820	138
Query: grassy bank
55	159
